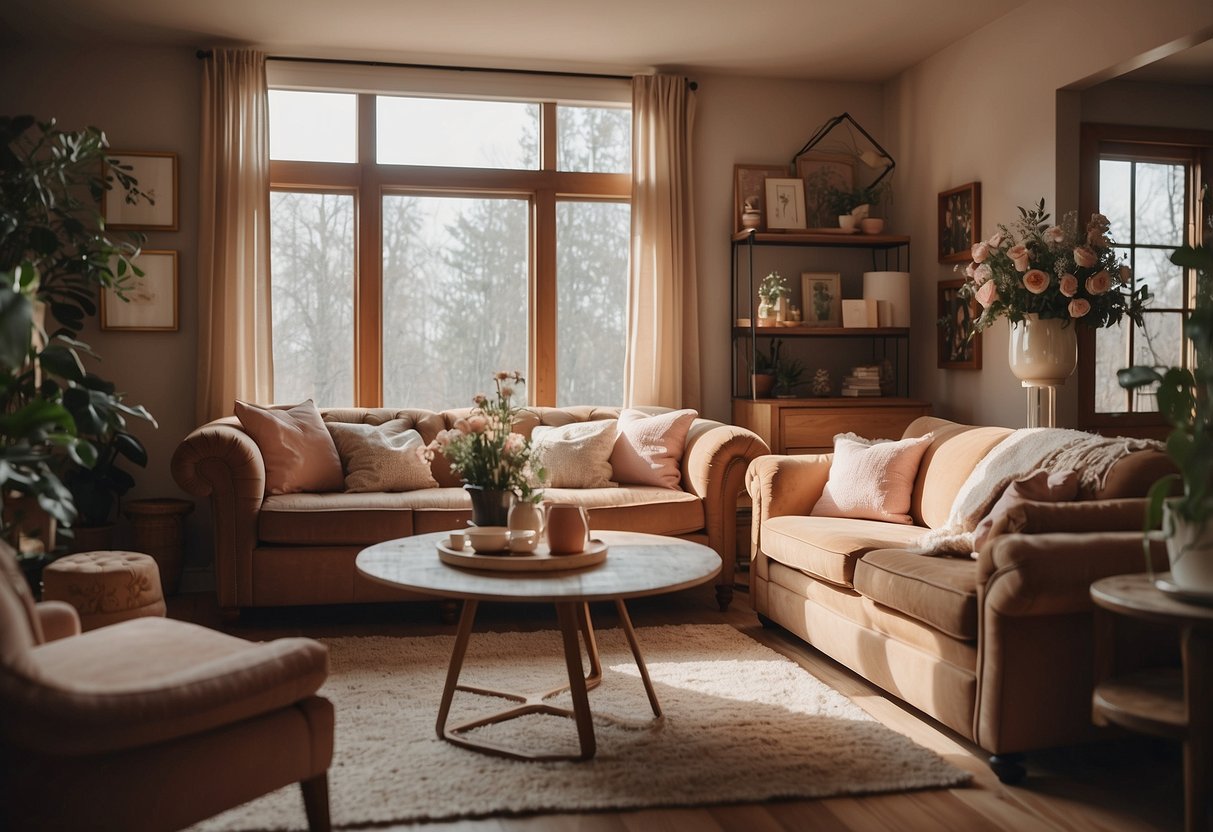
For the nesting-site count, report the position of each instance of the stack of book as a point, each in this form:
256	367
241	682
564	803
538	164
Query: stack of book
863	380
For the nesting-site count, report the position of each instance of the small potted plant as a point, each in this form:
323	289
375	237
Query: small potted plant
1185	398
787	377
772	288
852	205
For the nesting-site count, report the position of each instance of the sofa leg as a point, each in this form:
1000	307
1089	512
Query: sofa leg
316	803
724	596
767	623
1009	768
449	611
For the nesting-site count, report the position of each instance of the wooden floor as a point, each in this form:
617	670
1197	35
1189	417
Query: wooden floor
1125	784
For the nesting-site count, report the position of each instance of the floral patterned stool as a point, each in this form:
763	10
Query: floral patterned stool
105	587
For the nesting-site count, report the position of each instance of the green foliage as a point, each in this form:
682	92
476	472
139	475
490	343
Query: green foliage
773	287
839	201
787	375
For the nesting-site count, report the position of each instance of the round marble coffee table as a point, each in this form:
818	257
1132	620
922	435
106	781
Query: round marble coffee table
636	565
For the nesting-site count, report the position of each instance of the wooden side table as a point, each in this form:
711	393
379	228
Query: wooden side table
1165	702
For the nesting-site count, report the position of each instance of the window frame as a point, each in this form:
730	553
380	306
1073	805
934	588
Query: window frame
371	181
1136	143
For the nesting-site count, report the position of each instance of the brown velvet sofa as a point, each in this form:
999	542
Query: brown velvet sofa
999	648
300	548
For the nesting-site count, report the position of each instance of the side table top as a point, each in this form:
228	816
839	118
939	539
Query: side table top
636	565
1136	595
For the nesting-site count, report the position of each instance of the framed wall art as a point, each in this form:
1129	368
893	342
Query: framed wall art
156	175
785	204
959	222
956	316
821	298
151	299
822	172
749	185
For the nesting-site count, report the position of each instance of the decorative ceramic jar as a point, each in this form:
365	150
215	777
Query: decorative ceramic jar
490	506
568	528
1042	352
525	516
751	218
1190	552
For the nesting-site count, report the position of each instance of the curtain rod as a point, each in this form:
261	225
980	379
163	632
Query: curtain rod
206	53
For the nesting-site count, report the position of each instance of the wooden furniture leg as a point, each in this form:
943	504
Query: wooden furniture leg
316	803
1198	747
626	621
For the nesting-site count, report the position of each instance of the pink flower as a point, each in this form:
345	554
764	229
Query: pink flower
507	391
462	426
1079	307
1019	256
996	239
1084	257
970	269
1099	283
480	399
1097	240
1099	222
1054	234
501	375
476	423
987	293
980	252
514	443
982	273
1036	281
1126	275
1069	285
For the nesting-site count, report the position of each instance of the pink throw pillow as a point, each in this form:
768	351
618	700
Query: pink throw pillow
1040	486
298	450
872	480
648	449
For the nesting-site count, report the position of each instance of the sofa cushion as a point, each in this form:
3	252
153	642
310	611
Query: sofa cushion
636	508
648	450
298	451
871	480
577	455
382	457
1039	486
828	547
941	592
952	455
351	518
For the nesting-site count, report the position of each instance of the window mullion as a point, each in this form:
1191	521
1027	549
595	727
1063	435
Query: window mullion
368	295
543	300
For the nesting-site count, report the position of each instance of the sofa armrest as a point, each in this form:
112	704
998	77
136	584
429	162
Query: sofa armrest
714	466
780	485
58	619
223	462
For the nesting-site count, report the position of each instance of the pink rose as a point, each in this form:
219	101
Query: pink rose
1084	257
1126	275
513	444
987	293
507	391
1099	222
1099	283
1054	234
462	426
982	273
1019	256
970	269
1079	307
477	423
1097	240
996	239
1069	285
1036	281
980	252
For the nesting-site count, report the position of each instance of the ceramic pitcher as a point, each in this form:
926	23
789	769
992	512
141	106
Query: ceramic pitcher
525	516
568	528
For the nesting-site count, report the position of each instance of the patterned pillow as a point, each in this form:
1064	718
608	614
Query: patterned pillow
381	457
872	480
298	452
576	455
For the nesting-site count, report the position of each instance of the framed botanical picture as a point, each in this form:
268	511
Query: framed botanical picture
785	203
156	176
749	185
822	172
959	222
955	351
151	299
821	298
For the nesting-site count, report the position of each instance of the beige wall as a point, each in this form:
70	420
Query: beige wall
987	109
1157	105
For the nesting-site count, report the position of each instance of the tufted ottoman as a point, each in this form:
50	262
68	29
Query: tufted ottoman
105	587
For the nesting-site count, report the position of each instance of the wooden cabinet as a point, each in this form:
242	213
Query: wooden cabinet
808	426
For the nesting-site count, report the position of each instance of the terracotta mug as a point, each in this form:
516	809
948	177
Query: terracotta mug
568	528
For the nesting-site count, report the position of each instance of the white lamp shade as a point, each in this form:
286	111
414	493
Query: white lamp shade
893	287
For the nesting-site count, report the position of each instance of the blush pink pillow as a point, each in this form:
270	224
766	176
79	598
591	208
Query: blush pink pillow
298	450
872	480
648	449
1040	486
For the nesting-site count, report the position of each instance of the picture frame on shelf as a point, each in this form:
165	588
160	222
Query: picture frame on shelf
955	352
821	298
822	172
151	298
749	183
785	204
156	174
959	222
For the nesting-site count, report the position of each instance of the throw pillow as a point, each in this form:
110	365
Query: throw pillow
872	480
1039	486
649	448
576	455
381	457
299	452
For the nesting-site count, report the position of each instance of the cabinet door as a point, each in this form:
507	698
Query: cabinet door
812	430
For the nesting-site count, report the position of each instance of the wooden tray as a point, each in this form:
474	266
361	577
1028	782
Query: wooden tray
541	560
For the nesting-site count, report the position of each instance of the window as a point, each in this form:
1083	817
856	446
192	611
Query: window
459	237
1147	182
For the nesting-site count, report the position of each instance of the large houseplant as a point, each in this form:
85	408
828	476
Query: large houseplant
55	253
1185	399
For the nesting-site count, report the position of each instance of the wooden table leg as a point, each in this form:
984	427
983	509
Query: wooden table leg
569	617
462	635
1198	749
644	671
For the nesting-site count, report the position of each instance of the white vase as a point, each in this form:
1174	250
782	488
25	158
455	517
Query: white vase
525	516
1190	551
1041	352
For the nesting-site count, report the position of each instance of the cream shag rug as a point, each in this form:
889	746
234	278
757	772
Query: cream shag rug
742	724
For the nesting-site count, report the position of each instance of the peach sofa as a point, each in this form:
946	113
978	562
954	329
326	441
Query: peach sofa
1001	648
300	548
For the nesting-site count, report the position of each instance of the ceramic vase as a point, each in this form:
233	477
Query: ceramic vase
568	528
1041	352
525	516
1190	552
490	506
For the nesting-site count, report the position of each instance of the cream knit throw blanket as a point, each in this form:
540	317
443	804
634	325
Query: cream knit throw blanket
1024	451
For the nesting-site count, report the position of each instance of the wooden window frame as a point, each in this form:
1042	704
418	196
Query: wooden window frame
1194	147
370	181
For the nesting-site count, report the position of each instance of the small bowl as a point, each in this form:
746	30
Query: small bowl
872	225
523	541
488	538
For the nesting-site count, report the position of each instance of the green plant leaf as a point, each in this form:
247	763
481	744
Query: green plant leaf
1133	377
16	324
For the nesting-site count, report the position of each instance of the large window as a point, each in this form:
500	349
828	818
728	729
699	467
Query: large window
421	243
1148	183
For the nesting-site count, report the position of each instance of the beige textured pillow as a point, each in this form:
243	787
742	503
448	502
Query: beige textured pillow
649	448
576	455
1040	486
381	457
872	480
299	453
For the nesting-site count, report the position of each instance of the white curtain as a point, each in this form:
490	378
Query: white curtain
663	315
234	337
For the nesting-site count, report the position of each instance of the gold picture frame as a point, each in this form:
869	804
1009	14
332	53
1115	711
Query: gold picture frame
785	204
151	298
156	176
749	183
954	351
